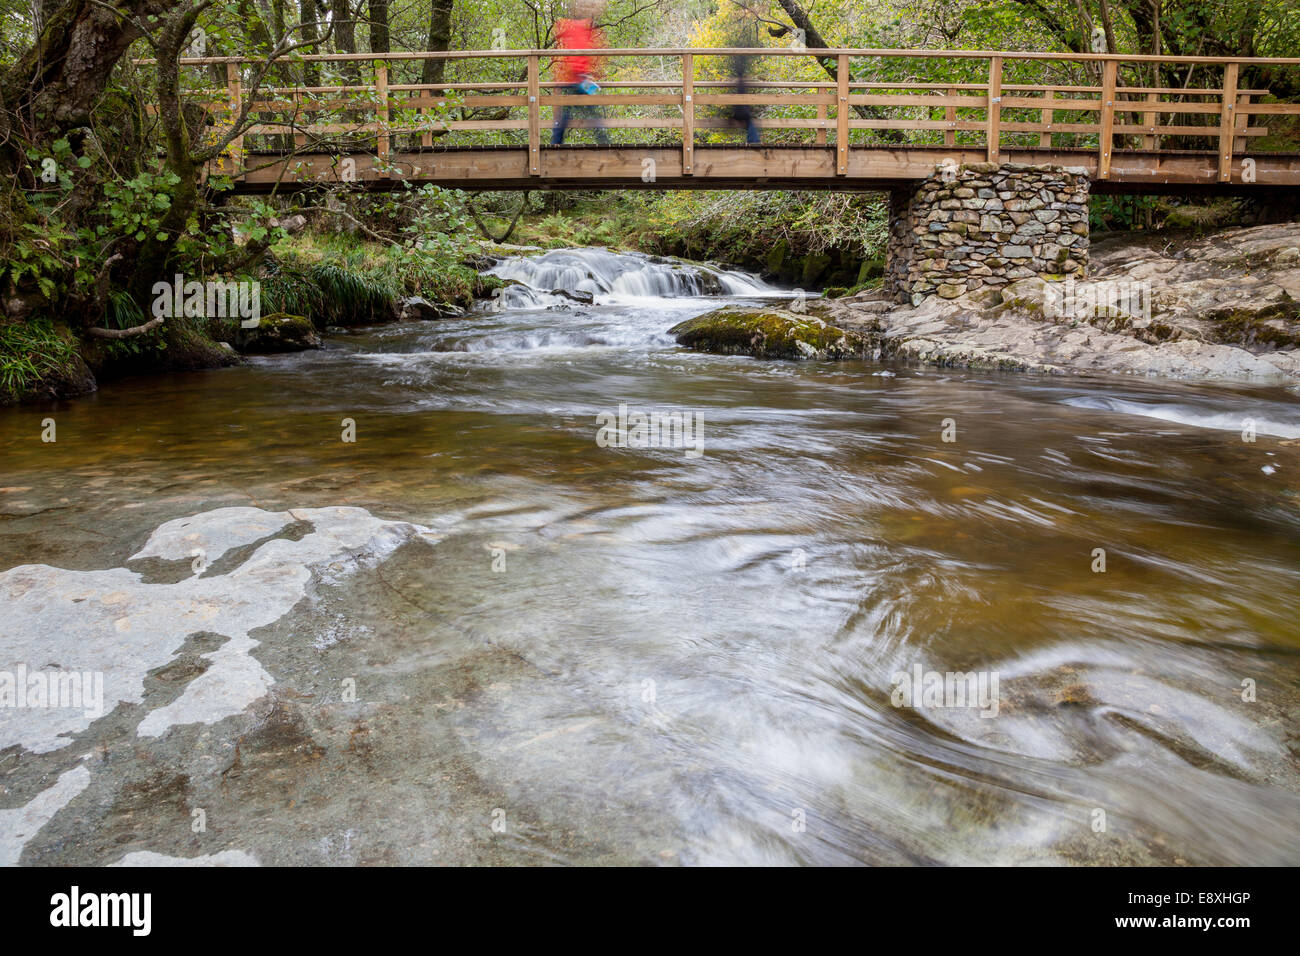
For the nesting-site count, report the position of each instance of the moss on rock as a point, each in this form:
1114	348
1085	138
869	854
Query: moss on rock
279	332
769	334
1273	326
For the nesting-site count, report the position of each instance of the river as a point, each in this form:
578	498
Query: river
475	634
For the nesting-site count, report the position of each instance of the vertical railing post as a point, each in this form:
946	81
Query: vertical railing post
299	136
1227	121
1047	116
235	89
534	116
820	138
950	117
1240	121
993	136
1106	138
1151	120
427	113
383	141
842	115
688	114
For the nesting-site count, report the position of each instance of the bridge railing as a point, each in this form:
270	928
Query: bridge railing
509	97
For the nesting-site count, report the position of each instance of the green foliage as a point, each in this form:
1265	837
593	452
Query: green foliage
351	296
740	226
31	352
135	206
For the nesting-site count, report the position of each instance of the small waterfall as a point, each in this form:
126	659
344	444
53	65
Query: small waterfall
597	276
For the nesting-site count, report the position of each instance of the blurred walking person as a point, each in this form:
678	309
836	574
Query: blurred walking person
578	72
742	33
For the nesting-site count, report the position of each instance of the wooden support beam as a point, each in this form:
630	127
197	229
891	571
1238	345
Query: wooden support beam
383	142
534	117
1227	121
1243	115
1107	135
950	117
820	138
1046	116
299	136
235	90
993	134
1151	119
688	114
842	115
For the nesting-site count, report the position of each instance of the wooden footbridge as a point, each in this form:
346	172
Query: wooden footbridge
367	119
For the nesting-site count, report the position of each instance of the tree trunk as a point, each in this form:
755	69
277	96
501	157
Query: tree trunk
345	36
309	17
63	74
439	39
379	42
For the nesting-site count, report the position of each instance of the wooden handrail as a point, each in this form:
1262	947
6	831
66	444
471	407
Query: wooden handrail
748	51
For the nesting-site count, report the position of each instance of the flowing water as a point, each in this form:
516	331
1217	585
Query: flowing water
474	633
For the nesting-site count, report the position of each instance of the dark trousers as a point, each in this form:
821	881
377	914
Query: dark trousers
562	118
745	114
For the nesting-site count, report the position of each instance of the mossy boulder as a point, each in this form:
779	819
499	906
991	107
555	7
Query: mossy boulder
776	257
769	334
814	267
870	269
278	332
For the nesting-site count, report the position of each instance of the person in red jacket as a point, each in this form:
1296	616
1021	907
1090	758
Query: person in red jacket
578	72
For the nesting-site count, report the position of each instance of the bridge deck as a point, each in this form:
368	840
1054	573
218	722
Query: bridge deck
739	167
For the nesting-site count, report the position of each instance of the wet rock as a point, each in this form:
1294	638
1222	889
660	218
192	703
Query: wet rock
417	309
769	333
1226	305
279	332
579	296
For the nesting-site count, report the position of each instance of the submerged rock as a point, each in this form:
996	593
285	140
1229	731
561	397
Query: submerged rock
770	334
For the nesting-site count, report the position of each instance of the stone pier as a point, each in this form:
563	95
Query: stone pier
967	227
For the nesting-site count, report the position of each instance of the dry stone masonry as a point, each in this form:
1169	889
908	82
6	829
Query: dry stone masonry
986	224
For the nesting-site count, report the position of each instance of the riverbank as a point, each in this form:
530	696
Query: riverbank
311	281
1223	305
1219	306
